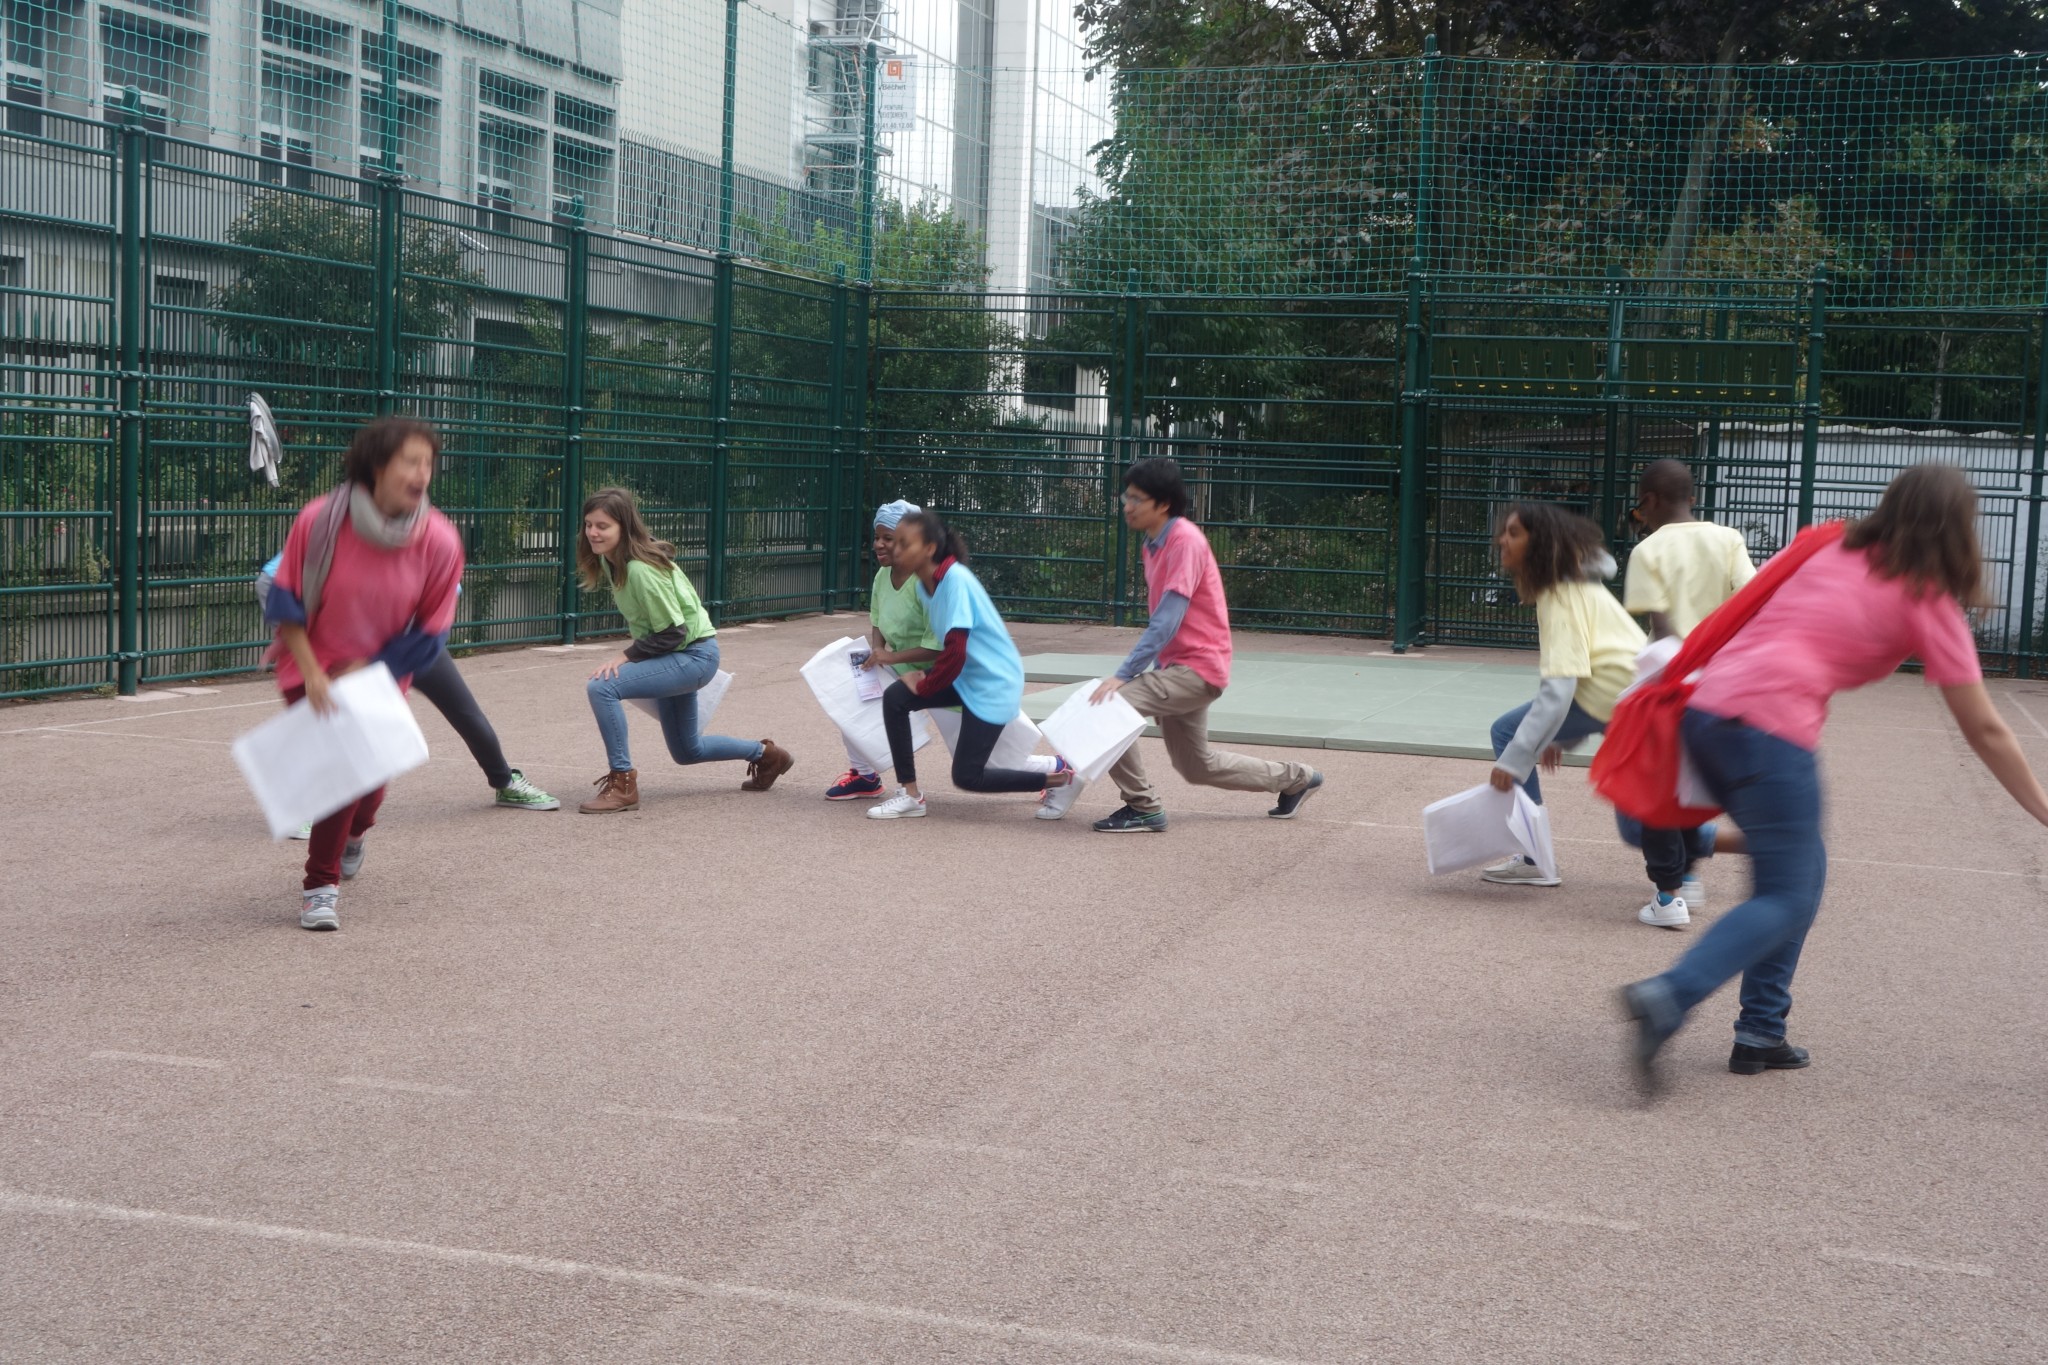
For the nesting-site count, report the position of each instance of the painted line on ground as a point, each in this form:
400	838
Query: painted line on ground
931	1144
124	734
160	1059
1248	1182
674	1115
1908	1262
22	1201
1576	1220
405	1087
154	715
2032	719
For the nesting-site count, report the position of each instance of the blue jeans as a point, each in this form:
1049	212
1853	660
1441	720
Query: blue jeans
674	679
1771	787
1578	725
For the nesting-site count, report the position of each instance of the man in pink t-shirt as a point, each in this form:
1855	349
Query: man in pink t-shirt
1181	664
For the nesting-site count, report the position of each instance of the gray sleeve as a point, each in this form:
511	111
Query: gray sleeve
1539	727
1173	609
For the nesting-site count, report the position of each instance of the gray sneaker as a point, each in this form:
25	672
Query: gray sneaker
351	858
316	908
1291	802
519	794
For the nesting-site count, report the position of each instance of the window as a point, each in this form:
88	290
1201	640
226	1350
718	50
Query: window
581	116
13	272
512	95
419	121
507	169
301	31
416	65
184	9
581	171
178	315
300	100
163	62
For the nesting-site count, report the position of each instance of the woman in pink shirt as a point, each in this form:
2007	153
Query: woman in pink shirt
1894	587
368	575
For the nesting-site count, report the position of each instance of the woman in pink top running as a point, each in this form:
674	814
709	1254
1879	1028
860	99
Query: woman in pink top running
368	575
1895	586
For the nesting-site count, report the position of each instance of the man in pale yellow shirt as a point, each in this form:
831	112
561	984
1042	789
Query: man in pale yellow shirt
1682	569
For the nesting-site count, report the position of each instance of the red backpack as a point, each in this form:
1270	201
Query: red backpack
1639	760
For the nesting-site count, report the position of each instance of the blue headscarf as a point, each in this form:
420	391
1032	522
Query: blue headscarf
889	513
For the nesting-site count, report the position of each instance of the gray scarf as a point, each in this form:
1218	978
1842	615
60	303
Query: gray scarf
371	525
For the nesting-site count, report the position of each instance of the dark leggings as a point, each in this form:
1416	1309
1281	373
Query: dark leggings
970	761
440	684
1668	854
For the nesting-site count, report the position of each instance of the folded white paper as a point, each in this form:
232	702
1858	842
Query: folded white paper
868	683
831	678
1092	737
1480	824
1017	742
708	697
303	766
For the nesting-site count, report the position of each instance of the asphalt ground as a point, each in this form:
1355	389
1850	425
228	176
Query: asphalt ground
749	1078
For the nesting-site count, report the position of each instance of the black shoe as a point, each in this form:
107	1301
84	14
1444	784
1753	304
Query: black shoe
1124	820
1648	1037
1291	802
1750	1061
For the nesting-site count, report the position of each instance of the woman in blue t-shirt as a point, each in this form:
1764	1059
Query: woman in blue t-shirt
978	670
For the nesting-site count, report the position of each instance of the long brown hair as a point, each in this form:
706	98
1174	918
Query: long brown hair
1560	543
635	540
1925	531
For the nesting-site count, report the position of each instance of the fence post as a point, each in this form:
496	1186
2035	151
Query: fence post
1129	402
2030	625
1809	438
1711	493
1425	176
721	433
575	343
130	168
1611	394
389	197
828	594
726	120
1410	522
859	338
868	62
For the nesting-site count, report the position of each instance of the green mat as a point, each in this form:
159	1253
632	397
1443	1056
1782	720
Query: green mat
1383	704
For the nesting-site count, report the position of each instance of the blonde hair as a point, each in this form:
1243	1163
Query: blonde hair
635	541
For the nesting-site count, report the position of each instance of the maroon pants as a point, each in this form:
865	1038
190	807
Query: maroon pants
353	821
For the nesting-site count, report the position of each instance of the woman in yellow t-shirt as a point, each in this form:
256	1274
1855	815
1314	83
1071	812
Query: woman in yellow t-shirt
1586	646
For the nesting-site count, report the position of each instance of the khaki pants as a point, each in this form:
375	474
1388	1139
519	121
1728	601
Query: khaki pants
1179	699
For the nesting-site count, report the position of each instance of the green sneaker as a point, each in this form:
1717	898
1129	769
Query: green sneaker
1124	820
520	794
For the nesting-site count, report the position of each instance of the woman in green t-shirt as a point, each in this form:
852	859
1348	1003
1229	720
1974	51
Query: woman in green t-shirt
674	652
899	637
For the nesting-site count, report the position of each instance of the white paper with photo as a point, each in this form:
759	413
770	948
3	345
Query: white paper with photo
1468	829
1091	737
304	767
832	682
708	697
1018	741
868	683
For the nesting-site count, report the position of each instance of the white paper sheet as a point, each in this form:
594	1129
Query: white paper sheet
1017	742
1480	825
1092	737
304	766
708	697
830	676
868	683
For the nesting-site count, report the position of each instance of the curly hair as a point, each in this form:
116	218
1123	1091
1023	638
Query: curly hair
1560	543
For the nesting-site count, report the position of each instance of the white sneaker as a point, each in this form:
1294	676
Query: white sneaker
1057	801
302	833
901	806
1693	893
1517	871
1671	914
316	908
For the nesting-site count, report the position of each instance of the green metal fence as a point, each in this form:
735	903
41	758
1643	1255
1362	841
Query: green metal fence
1366	307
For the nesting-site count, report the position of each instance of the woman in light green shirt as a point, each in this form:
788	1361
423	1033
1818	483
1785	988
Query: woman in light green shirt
899	637
673	653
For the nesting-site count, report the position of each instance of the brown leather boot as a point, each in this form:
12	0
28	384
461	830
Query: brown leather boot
616	791
773	763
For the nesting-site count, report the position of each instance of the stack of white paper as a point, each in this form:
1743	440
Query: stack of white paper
832	680
1480	824
1092	737
708	697
305	767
